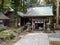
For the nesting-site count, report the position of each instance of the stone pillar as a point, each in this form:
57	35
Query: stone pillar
44	24
33	25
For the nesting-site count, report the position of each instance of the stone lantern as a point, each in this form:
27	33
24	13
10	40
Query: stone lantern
48	27
28	26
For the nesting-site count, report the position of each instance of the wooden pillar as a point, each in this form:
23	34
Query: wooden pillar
49	19
32	24
57	12
24	21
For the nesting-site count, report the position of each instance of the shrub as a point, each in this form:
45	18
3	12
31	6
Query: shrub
3	28
6	35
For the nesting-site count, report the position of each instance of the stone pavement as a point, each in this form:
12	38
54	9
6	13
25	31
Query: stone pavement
54	36
34	39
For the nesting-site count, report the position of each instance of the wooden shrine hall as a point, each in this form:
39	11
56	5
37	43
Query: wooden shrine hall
38	17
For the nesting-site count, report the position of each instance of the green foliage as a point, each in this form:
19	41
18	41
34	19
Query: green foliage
22	5
5	5
6	35
2	29
15	5
17	31
48	1
33	2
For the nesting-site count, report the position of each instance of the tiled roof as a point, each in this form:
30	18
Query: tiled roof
2	16
39	11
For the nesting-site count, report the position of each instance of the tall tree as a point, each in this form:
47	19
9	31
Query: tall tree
57	12
18	5
15	5
1	4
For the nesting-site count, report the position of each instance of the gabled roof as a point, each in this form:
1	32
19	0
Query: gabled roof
39	11
2	16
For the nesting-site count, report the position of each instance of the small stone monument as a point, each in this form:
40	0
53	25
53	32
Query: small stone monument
48	27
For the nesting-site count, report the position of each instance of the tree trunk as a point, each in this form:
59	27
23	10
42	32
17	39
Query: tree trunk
57	12
2	3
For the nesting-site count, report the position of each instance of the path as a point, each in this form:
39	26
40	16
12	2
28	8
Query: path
34	39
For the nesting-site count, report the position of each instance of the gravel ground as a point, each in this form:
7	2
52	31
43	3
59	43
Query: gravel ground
5	43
